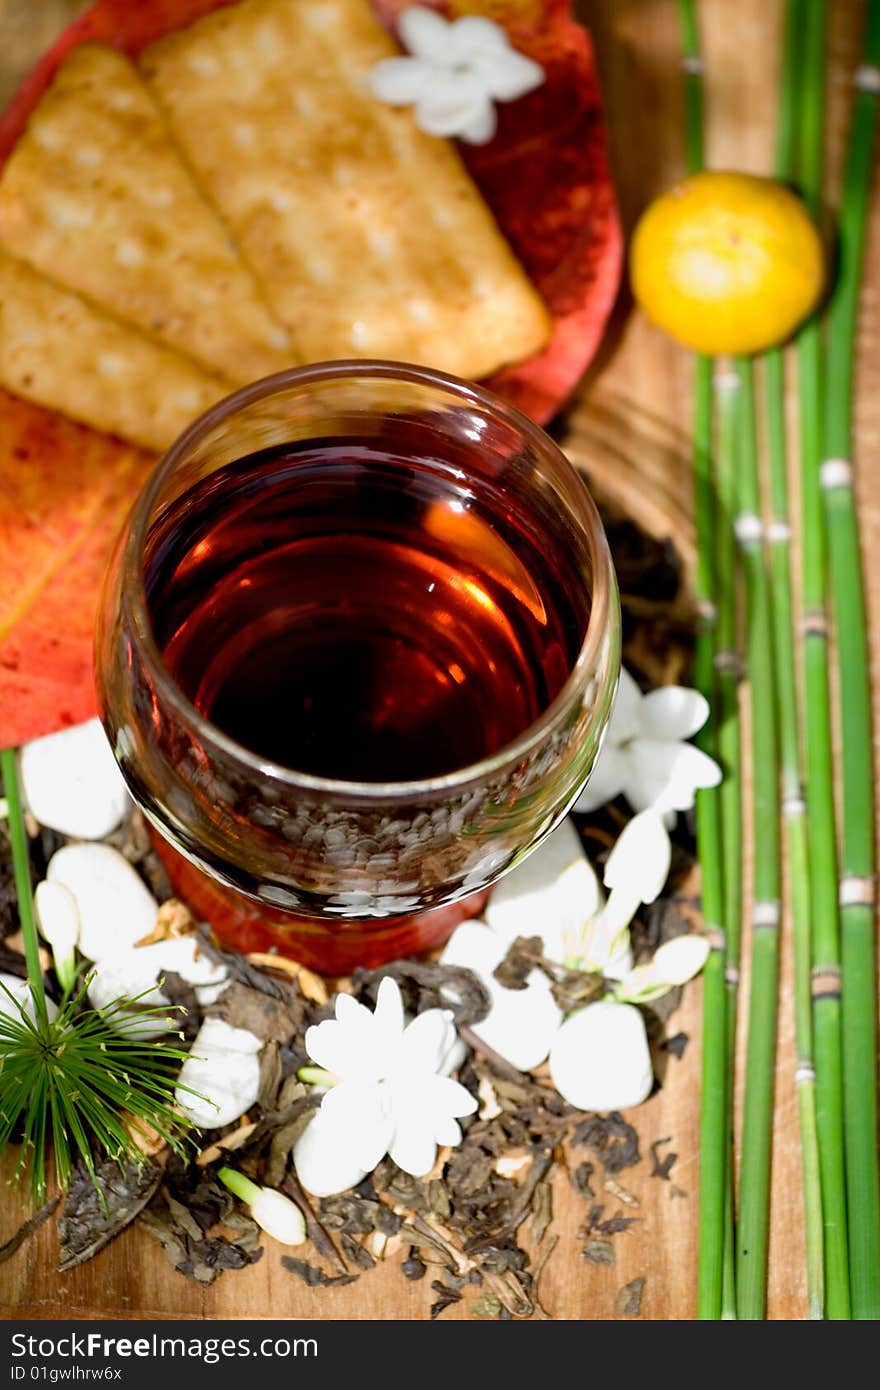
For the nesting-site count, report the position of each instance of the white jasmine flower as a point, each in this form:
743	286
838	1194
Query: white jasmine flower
276	1214
600	1058
645	757
391	1093
456	72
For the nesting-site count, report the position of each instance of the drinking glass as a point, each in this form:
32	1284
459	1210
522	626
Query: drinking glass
337	865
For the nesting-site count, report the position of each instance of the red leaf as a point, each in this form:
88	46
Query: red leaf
64	490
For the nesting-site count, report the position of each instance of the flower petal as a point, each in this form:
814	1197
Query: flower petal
447	1096
453	100
481	127
474	35
425	1044
553	893
639	861
448	1131
600	1058
606	780
400	81
508	75
388	1013
625	721
673	712
362	1120
426	34
413	1147
679	960
323	1165
666	776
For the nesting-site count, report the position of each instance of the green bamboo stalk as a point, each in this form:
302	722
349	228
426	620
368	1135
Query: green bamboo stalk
728	668
817	713
23	886
754	1198
714	1108
793	804
715	1137
857	889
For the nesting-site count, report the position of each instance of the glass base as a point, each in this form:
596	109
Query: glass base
331	947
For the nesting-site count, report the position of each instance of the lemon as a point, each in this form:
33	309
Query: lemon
727	263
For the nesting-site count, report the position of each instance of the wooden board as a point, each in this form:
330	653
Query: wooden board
629	430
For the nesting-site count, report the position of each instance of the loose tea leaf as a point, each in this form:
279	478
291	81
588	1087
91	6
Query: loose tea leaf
599	1252
628	1303
315	1277
609	1136
662	1167
676	1044
95	1211
424	985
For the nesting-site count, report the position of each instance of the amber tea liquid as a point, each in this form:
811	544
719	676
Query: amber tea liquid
361	614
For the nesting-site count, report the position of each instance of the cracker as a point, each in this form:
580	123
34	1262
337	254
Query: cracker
61	352
95	194
369	235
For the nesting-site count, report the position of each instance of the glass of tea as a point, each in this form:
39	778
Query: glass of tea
357	650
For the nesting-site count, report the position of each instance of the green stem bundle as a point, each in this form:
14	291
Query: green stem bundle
754	1202
817	712
728	673
793	804
857	890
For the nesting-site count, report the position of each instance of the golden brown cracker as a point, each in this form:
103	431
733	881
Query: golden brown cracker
61	352
96	195
369	235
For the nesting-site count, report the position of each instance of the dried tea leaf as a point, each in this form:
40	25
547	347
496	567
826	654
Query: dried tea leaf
90	1219
423	985
355	1253
315	1277
662	1167
580	1179
599	1252
542	1211
274	1017
523	955
446	1298
609	1136
270	1076
628	1303
675	1045
26	1229
414	1268
486	1306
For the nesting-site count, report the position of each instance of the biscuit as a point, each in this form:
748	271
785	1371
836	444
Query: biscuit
96	195
61	352
369	236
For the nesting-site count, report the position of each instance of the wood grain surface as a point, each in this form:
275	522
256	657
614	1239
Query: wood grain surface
628	429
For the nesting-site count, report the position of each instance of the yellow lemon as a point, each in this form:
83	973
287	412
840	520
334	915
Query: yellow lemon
727	263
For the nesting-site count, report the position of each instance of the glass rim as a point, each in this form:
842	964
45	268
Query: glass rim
347	368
